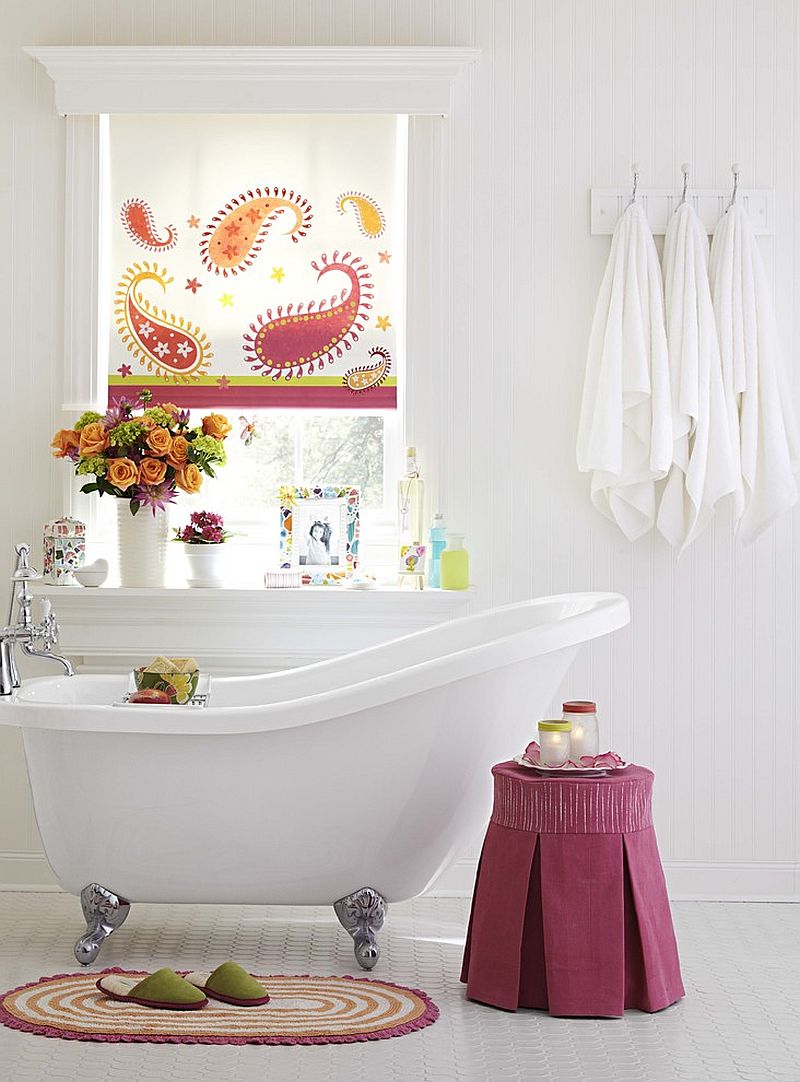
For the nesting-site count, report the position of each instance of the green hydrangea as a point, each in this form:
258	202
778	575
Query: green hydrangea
96	465
159	416
126	434
87	418
209	449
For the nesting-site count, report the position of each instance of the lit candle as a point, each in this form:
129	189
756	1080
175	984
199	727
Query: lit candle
584	737
554	742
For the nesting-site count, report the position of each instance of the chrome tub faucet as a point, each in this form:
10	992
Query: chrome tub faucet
36	640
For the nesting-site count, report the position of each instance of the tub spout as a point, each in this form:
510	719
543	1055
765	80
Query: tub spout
104	912
362	915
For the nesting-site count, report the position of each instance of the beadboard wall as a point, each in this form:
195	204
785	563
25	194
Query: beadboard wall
702	685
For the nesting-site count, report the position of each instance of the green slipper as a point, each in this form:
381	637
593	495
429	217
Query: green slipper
229	983
163	990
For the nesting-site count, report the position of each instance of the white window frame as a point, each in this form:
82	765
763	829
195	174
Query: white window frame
93	81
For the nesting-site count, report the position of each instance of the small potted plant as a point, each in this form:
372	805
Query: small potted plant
202	540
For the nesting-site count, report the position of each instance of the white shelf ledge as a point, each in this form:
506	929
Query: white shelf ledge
109	629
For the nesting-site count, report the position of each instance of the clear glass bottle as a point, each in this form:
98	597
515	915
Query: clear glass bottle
554	742
455	564
585	733
411	502
438	540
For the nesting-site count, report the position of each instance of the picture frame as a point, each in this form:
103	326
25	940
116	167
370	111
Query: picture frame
319	528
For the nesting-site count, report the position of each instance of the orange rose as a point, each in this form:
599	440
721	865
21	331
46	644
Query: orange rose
65	440
216	425
93	439
122	473
159	441
170	407
152	471
178	452
189	478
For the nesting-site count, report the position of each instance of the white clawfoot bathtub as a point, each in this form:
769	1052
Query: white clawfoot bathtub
303	786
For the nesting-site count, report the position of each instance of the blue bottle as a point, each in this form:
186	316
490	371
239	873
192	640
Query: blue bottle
438	540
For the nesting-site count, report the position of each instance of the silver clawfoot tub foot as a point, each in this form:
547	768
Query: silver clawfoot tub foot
362	915
104	912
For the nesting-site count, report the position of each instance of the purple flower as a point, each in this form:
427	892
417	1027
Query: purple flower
182	417
156	497
119	410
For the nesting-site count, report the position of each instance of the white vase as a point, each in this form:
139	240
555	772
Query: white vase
141	546
206	565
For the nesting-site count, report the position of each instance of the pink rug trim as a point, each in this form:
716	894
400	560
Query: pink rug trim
427	1018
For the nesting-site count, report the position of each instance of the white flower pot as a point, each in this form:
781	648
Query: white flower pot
141	546
206	565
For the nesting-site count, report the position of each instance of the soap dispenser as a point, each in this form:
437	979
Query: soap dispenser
455	564
437	538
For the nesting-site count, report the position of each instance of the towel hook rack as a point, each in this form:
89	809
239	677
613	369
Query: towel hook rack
735	171
685	171
635	171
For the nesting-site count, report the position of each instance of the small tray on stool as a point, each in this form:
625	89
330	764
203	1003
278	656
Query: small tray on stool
569	770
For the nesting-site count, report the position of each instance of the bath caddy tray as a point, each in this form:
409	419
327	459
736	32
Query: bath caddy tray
197	701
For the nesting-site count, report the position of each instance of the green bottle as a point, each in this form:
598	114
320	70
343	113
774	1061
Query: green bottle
455	564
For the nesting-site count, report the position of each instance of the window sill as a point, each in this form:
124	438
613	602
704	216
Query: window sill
111	628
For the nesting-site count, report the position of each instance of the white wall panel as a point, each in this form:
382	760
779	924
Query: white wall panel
569	93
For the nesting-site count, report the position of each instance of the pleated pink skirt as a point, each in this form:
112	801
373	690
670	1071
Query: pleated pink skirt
570	912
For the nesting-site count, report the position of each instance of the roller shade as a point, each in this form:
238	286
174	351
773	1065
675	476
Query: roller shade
256	260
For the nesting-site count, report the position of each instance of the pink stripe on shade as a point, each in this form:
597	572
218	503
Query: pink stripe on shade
297	396
615	804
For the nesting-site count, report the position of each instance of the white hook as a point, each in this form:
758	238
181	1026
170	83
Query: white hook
735	171
685	170
635	171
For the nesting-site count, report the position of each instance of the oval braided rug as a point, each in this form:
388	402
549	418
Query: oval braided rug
302	1010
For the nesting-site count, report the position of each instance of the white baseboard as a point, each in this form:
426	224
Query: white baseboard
688	880
26	870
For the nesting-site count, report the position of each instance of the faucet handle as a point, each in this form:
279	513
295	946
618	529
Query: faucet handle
23	572
46	608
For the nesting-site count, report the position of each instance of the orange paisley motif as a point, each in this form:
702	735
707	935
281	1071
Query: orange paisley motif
234	236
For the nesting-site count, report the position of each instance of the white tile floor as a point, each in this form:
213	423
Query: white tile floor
741	967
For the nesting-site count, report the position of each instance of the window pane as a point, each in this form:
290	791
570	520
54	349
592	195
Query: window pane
341	449
247	485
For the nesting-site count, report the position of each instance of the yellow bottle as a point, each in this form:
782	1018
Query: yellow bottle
455	564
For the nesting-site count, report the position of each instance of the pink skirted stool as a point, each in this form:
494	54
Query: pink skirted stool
570	912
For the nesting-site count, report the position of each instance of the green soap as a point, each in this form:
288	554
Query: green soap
165	986
231	980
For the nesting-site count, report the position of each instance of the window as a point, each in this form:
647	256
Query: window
255	266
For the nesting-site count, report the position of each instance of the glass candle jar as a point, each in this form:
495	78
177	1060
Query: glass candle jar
554	742
585	734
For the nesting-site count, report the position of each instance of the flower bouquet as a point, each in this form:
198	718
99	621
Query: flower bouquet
142	454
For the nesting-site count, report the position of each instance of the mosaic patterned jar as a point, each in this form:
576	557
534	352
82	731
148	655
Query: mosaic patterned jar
64	546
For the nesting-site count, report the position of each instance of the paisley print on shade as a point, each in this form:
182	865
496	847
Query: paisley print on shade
235	235
294	342
359	380
166	344
137	218
370	217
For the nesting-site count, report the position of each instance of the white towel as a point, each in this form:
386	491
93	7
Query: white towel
753	375
705	452
625	428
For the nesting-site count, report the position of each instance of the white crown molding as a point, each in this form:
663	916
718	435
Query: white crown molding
262	79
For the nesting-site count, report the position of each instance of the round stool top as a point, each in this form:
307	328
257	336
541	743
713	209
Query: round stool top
615	803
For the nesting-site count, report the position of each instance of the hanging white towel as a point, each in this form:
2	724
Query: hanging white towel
753	375
705	451
625	428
